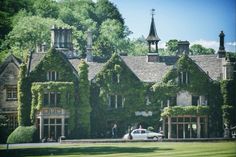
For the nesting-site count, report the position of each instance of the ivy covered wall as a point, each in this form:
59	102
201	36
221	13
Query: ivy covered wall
66	84
228	90
128	86
198	83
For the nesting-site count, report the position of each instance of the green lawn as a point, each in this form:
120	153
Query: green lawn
142	149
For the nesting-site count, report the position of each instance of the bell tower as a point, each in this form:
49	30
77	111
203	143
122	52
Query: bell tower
153	40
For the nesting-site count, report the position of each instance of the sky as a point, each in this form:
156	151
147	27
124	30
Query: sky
198	21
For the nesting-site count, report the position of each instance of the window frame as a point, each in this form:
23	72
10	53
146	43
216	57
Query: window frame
11	93
56	96
113	103
53	76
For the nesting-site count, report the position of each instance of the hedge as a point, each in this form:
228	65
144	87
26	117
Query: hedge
22	134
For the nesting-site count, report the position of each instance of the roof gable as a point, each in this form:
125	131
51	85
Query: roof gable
10	59
53	61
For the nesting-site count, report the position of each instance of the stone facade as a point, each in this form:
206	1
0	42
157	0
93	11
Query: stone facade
8	90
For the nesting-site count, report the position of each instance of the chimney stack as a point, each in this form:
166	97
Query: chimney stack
89	56
61	38
183	48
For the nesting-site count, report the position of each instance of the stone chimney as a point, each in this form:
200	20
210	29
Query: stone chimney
89	56
221	52
183	48
61	38
228	70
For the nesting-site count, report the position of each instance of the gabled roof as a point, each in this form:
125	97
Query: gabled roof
210	64
93	69
10	59
35	60
146	71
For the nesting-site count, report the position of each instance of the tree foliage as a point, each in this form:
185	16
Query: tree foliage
31	26
30	31
171	47
198	49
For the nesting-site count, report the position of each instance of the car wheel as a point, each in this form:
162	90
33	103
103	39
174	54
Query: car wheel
155	138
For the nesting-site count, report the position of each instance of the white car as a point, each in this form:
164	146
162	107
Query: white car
143	134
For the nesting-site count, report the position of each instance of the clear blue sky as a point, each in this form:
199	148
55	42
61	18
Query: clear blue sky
199	21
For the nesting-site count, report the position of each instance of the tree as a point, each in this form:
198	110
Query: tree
84	101
8	8
107	10
110	38
46	8
30	31
138	46
198	49
171	47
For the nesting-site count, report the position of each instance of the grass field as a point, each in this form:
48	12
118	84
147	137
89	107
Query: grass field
142	149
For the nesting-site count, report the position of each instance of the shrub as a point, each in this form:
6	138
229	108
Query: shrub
22	134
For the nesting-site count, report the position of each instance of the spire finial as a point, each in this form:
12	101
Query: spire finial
153	12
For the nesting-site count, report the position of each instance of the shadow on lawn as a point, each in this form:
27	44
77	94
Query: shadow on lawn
76	151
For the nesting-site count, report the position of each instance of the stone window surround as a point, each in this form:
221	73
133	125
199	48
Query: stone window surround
202	100
11	93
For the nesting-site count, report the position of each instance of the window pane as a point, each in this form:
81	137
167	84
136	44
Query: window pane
184	77
58	99
173	119
52	99
58	121
52	121
195	100
8	93
14	93
53	76
180	119
119	101
173	101
187	119
45	121
45	99
194	119
113	101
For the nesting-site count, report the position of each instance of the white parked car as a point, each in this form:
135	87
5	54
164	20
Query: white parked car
143	134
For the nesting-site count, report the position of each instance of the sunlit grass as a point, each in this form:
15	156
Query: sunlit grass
141	149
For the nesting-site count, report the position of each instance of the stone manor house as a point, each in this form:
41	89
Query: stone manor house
172	94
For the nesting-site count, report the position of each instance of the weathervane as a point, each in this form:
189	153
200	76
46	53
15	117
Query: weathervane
153	12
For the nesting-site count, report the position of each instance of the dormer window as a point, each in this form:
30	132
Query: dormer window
183	77
52	75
